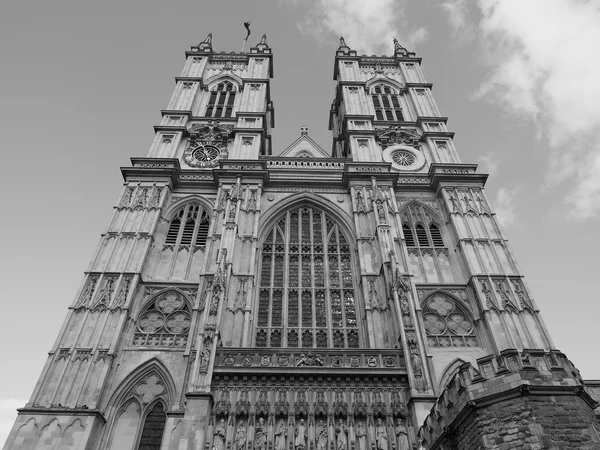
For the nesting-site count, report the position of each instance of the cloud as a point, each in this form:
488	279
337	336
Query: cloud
505	205
368	26
542	66
457	13
490	162
8	414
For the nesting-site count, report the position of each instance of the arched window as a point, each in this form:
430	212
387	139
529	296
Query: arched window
428	256
447	323
164	322
154	427
386	102
306	290
185	243
221	101
189	225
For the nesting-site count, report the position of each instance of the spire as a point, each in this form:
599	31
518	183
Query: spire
398	49
262	46
206	44
342	43
263	40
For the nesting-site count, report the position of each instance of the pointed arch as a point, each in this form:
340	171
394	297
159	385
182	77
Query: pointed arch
380	79
171	211
219	78
448	321
449	372
307	277
136	397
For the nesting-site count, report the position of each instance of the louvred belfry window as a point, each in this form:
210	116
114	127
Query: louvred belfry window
386	102
306	292
221	101
428	256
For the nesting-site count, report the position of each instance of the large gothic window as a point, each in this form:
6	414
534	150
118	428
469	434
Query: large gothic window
306	292
164	322
221	101
386	102
428	256
447	323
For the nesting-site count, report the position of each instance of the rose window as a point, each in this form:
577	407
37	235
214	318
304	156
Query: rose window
403	158
447	323
165	322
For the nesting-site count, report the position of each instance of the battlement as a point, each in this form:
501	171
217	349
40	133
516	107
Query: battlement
520	387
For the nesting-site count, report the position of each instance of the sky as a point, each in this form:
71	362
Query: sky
82	84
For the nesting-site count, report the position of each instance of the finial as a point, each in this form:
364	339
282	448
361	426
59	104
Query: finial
342	43
397	46
208	39
263	40
303	130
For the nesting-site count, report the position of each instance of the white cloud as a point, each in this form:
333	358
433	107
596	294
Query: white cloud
543	66
505	205
8	414
368	26
490	162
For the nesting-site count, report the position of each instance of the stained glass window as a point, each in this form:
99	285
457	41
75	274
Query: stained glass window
306	296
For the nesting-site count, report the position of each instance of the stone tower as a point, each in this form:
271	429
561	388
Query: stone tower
363	299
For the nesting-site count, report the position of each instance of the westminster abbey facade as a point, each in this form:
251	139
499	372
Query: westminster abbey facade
359	297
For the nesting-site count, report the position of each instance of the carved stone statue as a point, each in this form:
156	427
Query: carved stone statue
321	437
402	436
260	435
381	436
240	437
361	436
300	436
341	432
280	435
219	436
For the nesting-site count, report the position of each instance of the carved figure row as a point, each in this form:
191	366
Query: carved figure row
302	435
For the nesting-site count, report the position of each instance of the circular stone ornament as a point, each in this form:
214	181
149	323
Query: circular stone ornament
404	158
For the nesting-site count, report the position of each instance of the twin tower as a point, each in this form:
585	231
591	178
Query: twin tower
358	298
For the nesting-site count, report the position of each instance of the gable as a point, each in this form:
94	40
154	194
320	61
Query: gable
304	147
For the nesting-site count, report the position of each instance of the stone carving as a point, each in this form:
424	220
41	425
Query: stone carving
121	296
359	406
361	436
242	406
401	436
223	406
240	437
154	201
282	405
396	134
489	301
251	203
321	436
321	406
105	293
340	407
300	436
397	405
205	355
417	366
126	199
301	405
341	432
140	199
360	203
381	436
520	291
149	389
378	405
88	290
280	435
262	403
260	435
505	294
309	360
218	442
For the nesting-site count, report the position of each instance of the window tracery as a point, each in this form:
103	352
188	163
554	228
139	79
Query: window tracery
386	102
221	101
447	323
306	291
164	322
428	256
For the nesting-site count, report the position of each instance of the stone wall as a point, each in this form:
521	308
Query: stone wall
528	400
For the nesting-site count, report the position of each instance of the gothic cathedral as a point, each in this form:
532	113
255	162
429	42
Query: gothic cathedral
357	298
